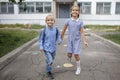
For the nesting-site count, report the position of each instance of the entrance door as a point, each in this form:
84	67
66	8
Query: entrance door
64	11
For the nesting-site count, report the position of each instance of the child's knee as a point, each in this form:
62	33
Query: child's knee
69	55
77	57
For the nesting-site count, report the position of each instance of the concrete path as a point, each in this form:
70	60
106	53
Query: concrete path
98	62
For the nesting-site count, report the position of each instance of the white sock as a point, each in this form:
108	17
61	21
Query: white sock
78	68
78	64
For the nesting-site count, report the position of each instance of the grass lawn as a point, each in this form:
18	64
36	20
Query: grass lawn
111	32
26	26
107	28
11	39
113	37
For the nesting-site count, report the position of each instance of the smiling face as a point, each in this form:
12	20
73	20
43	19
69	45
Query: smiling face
75	11
50	20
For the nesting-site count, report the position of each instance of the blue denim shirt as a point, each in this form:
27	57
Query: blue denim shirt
49	43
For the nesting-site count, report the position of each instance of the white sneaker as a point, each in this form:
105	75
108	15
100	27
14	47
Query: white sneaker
78	71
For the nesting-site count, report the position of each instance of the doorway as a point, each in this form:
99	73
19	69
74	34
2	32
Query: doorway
64	11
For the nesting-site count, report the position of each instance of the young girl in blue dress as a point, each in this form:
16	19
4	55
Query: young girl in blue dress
75	36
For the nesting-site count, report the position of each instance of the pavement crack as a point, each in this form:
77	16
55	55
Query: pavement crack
35	60
43	77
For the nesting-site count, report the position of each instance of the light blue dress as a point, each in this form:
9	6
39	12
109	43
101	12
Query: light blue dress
74	37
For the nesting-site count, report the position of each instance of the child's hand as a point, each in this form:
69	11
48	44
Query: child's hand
41	50
85	44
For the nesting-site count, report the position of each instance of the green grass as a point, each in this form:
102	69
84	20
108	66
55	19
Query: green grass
11	39
26	26
107	28
36	26
113	37
104	27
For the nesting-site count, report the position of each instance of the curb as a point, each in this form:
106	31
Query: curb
106	41
5	60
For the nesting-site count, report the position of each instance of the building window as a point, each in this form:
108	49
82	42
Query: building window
3	8
10	8
117	8
22	8
39	7
27	8
85	7
47	7
30	7
6	8
103	8
35	7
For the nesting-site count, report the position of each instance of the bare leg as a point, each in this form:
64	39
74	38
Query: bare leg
78	64
77	58
69	56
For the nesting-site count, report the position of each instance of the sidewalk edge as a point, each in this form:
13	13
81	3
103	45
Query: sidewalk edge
108	42
5	60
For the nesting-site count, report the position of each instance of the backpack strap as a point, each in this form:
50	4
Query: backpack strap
56	34
43	39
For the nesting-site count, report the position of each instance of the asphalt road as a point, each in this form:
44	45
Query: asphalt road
98	62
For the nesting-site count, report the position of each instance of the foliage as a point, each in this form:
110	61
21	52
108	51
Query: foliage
19	2
16	1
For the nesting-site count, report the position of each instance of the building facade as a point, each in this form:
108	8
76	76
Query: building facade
100	12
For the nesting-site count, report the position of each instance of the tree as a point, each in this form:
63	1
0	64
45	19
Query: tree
16	1
19	2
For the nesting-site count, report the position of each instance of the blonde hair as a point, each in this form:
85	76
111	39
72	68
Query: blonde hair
50	15
73	7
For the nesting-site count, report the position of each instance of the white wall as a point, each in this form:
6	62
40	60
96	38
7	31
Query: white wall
38	18
102	20
93	18
31	18
23	18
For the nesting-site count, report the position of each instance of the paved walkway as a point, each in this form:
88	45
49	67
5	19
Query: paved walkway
98	62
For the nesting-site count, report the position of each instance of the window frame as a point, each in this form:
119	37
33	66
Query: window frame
83	6
39	7
103	8
7	6
30	6
116	9
35	7
44	5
